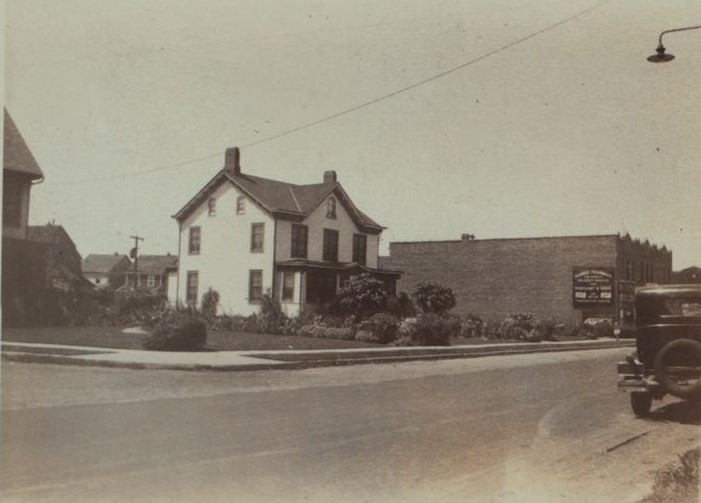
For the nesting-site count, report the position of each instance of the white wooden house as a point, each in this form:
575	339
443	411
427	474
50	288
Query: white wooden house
246	236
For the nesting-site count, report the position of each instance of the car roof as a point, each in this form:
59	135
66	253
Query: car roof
693	289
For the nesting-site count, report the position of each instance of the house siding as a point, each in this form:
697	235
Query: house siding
225	256
21	187
317	222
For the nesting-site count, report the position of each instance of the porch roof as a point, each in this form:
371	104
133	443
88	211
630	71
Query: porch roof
338	266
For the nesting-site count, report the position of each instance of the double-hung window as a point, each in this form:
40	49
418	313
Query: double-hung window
330	245
298	247
255	285
195	241
288	286
257	237
360	246
191	294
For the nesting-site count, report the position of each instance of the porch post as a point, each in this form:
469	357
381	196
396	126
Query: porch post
302	289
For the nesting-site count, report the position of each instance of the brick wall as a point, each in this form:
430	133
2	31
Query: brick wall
492	278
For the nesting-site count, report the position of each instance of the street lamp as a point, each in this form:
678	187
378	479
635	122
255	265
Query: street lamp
660	56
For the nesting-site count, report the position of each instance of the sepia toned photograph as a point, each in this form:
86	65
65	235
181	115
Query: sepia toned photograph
329	251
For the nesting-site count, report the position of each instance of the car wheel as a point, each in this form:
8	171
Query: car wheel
678	368
641	401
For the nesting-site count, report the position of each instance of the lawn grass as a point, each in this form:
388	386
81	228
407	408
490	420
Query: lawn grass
221	340
115	338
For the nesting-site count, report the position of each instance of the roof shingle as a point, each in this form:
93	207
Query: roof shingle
101	263
280	197
16	154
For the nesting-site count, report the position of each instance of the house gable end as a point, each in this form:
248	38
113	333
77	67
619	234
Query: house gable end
361	221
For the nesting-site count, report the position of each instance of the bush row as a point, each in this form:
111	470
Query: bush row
88	307
429	329
426	329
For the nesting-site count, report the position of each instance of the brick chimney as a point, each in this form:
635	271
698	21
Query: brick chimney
231	160
330	177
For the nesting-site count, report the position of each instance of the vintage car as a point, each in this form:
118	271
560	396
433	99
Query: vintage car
667	359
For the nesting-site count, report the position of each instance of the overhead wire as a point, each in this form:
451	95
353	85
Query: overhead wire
364	104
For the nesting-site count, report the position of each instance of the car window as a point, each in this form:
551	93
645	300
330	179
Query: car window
688	308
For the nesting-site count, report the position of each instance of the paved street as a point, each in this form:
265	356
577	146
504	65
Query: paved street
540	427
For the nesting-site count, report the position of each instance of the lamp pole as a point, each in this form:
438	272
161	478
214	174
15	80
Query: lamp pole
660	56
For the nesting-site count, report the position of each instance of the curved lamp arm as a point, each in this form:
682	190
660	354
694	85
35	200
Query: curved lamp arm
660	56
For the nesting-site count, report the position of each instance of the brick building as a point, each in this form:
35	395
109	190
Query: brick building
565	279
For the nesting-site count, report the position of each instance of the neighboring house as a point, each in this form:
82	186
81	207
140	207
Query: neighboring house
20	172
103	270
63	267
151	271
565	279
23	261
246	236
688	275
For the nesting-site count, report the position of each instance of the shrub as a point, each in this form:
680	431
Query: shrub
407	327
343	333
585	330
271	319
545	330
363	295
492	330
400	306
365	336
138	306
235	323
520	327
381	327
210	301
428	329
433	298
471	326
603	328
323	331
179	331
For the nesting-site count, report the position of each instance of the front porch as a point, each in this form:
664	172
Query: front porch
304	285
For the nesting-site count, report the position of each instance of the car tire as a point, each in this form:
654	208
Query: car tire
686	346
641	401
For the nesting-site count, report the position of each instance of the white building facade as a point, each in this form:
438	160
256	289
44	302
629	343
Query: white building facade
246	237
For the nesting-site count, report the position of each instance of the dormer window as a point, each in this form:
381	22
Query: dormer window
212	207
331	208
240	205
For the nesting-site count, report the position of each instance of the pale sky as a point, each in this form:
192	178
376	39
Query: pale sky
567	130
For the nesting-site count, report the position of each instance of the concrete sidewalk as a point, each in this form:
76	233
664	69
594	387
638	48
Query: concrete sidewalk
282	359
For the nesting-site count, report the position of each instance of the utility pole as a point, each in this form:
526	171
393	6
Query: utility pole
135	255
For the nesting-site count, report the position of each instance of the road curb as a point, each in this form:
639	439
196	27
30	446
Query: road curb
281	360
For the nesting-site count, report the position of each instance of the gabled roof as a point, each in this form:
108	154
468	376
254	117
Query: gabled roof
156	264
16	154
102	263
281	199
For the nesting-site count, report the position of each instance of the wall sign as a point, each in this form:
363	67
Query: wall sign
592	286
